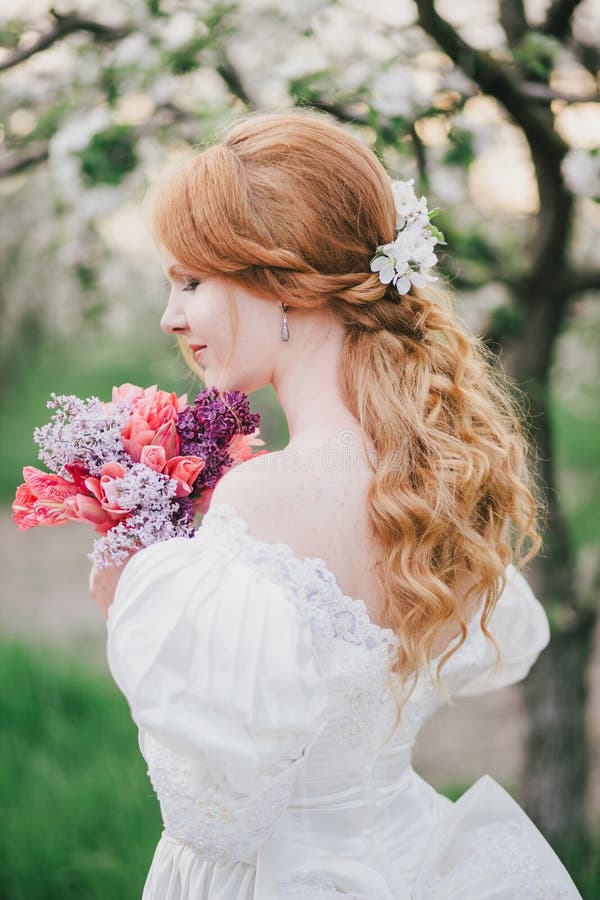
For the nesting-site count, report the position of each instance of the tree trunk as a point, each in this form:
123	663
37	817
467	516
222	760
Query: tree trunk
555	776
557	762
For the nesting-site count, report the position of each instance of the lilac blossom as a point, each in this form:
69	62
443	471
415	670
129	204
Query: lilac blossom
84	431
206	428
157	514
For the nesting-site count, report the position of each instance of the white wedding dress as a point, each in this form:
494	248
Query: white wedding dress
264	715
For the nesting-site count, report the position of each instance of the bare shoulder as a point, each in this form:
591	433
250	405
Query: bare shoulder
263	493
287	498
317	511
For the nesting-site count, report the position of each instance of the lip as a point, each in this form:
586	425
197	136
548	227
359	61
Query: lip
198	350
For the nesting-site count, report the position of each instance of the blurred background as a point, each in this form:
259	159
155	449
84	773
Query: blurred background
492	106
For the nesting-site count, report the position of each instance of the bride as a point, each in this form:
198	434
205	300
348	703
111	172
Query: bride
280	664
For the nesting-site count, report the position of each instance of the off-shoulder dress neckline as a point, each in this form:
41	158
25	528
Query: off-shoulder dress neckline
314	564
219	511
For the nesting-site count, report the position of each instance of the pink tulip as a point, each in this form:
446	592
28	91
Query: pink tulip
102	508
240	447
82	508
185	470
40	501
135	435
202	503
129	392
154	457
153	420
168	438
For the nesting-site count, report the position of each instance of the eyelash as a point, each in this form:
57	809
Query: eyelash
191	285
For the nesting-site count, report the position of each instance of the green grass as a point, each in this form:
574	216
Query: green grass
79	816
80	819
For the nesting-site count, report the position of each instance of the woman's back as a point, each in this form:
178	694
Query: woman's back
314	500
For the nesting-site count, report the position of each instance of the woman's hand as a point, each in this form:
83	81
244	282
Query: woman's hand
103	583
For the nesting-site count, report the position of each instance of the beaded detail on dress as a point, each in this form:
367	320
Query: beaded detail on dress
216	822
316	887
499	857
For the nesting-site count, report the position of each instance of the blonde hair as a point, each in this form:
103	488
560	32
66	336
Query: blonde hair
292	206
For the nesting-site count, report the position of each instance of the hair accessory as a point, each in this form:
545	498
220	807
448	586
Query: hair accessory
285	334
404	261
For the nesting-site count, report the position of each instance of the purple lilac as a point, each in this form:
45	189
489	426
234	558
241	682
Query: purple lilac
206	428
87	432
157	515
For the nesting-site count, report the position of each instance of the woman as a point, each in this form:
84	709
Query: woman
280	664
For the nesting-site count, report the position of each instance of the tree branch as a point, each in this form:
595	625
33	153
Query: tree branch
13	164
513	20
582	280
588	55
65	25
233	80
495	80
537	91
558	19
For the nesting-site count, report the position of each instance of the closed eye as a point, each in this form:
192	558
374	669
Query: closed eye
191	285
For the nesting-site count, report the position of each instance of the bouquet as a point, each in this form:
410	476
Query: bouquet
138	468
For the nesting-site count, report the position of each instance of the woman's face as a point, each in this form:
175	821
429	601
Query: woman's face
198	309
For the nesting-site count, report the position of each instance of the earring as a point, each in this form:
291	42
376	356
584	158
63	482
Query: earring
285	334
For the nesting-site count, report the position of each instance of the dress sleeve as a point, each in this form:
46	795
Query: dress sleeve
217	661
520	625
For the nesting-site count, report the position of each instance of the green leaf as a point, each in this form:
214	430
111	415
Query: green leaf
437	234
109	83
537	54
109	156
461	151
507	321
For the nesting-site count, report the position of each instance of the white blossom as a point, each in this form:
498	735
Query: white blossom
398	92
181	28
76	133
135	50
404	260
581	170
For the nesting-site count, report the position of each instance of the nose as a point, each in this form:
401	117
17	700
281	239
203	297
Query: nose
172	322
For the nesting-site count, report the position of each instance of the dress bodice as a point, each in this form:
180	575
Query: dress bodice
263	694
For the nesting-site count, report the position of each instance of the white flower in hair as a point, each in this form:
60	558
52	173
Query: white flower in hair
405	260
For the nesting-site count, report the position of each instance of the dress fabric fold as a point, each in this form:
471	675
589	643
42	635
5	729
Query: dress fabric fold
265	709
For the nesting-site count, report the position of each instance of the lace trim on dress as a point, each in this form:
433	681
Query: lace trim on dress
349	616
499	858
316	887
216	822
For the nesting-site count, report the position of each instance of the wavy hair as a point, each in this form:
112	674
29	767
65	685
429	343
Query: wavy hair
292	206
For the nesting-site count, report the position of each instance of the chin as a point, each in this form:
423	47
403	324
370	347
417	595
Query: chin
229	382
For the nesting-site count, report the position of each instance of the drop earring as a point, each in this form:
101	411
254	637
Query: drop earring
285	334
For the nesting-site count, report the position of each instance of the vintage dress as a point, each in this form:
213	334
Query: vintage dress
260	694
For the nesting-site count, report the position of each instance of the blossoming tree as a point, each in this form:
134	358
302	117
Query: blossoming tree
95	95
